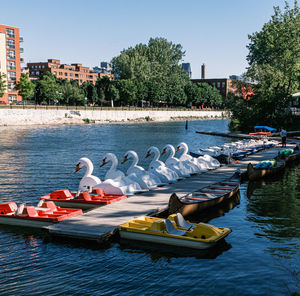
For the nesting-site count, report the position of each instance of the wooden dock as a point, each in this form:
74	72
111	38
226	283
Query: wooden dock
100	223
275	136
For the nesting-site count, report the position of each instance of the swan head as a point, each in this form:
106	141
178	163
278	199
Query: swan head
129	155
83	162
181	145
107	158
152	150
167	148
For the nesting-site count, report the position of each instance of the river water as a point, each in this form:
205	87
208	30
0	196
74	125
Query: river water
259	257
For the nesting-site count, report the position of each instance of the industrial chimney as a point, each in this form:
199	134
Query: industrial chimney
203	71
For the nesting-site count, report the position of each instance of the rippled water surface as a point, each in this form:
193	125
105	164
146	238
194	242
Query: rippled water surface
260	256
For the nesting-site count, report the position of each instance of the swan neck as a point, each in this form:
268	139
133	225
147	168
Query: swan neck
113	167
133	163
89	169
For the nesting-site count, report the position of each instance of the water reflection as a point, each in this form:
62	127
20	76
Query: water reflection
156	252
216	211
275	207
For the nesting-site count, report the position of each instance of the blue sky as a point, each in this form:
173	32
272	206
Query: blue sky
214	32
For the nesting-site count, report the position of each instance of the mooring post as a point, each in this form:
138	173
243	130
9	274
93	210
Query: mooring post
186	124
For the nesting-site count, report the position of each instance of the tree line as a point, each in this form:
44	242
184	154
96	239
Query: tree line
144	75
274	69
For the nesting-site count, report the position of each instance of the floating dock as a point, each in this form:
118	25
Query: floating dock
100	223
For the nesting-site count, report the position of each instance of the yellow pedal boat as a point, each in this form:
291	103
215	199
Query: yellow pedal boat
173	231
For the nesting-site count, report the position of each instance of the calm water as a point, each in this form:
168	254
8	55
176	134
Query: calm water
259	257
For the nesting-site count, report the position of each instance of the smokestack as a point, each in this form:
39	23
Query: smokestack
203	71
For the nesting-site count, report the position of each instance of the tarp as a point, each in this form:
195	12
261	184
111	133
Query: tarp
263	127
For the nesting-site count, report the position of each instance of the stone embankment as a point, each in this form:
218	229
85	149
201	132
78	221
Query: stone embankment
9	117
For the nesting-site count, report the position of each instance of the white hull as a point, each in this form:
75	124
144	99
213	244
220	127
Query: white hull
24	223
165	240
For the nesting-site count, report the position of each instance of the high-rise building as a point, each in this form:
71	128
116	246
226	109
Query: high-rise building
187	68
10	61
105	68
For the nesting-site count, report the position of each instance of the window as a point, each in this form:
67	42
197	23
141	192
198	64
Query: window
66	74
214	84
39	66
36	66
11	76
11	65
71	74
54	72
218	84
223	84
11	86
43	66
10	54
12	98
10	33
10	43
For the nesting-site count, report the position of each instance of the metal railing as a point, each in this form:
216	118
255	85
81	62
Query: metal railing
99	108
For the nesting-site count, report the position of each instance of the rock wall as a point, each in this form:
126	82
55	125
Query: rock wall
44	117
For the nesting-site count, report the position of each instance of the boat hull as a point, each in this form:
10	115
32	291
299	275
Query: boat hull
176	205
165	240
77	205
256	174
23	222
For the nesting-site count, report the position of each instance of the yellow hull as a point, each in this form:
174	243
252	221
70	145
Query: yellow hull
153	230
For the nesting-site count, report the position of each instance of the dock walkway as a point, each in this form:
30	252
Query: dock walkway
99	223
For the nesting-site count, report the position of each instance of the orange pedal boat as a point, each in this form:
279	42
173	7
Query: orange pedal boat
84	200
46	213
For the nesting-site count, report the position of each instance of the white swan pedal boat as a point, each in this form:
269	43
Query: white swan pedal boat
44	214
174	231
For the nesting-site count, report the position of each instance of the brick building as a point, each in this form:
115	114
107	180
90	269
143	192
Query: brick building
64	71
10	60
223	85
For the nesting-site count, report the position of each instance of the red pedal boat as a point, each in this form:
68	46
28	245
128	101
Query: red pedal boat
84	200
44	214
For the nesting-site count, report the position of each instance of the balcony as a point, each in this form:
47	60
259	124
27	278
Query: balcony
21	49
21	39
21	60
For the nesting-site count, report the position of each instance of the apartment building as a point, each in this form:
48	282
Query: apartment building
10	61
64	71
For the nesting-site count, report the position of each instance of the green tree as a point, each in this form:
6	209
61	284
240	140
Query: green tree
274	66
49	91
127	91
72	95
2	84
25	87
113	95
209	95
153	68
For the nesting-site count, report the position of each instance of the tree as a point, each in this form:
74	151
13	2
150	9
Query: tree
72	94
154	68
127	90
209	95
25	87
113	95
274	66
2	84
49	91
